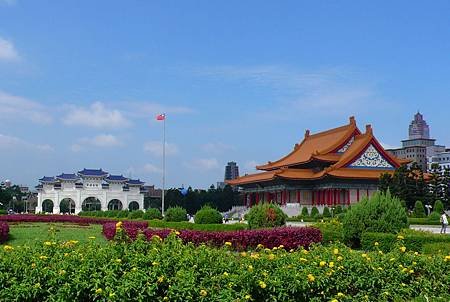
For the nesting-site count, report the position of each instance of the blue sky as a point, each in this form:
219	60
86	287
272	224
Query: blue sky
82	81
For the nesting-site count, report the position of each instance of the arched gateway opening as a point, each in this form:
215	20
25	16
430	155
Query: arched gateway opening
67	205
47	206
133	206
91	204
115	204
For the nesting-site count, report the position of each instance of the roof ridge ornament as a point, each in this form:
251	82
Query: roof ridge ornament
369	129
352	120
307	133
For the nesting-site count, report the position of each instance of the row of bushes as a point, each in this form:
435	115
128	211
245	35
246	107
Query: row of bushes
4	231
184	225
169	270
412	240
290	238
32	218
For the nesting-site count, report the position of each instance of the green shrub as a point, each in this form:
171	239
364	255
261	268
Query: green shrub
113	213
152	213
434	216
423	221
438	207
265	215
332	231
3	212
122	214
305	212
136	214
338	210
314	212
208	215
326	212
413	240
380	213
176	214
419	210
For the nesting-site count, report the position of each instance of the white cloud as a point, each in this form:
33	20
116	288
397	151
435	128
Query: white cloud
8	2
151	109
96	116
217	147
16	107
250	166
7	51
102	141
156	148
203	164
332	91
12	142
152	169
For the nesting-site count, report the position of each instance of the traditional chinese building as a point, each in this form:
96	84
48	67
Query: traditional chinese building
335	167
89	189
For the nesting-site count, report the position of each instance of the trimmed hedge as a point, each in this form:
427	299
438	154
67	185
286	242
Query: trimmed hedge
184	225
289	238
4	231
332	231
423	221
438	248
413	240
152	213
208	215
266	215
136	214
175	214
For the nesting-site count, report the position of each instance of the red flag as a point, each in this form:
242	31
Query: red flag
161	117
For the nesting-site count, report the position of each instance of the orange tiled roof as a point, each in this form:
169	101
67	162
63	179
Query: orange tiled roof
338	137
315	145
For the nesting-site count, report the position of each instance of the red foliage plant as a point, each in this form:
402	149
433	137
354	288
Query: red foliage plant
288	237
4	231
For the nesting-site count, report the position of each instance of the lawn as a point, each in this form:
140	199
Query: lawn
29	233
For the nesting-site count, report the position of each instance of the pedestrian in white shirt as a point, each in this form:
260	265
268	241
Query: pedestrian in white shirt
444	222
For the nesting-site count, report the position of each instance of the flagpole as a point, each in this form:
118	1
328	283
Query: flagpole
164	166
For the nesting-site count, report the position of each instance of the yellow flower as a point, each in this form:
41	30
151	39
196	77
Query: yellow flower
416	254
376	243
364	255
411	271
281	246
380	268
400	237
8	248
177	233
119	260
304	251
322	263
340	294
33	265
154	263
160	279
228	243
336	251
166	298
98	291
274	248
111	295
380	252
334	300
403	249
119	225
447	258
203	293
43	257
243	254
392	259
339	258
311	278
91	237
47	243
262	284
331	264
37	285
254	256
271	256
225	274
62	272
66	254
247	297
260	246
250	268
303	260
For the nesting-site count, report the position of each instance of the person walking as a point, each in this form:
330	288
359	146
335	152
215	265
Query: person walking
444	222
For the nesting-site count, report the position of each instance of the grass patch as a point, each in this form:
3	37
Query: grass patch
31	233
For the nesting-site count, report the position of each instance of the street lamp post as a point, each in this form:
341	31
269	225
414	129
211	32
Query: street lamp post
429	207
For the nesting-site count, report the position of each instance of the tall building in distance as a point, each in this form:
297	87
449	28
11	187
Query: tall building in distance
419	145
231	171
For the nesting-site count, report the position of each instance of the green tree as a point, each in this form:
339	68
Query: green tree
419	210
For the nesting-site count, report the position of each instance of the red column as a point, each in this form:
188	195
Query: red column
367	193
339	197
357	194
312	196
298	196
348	196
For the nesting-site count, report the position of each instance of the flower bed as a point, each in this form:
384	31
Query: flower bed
4	231
169	270
65	219
290	238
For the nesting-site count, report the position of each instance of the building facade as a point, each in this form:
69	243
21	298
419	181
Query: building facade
89	189
418	145
231	171
335	167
